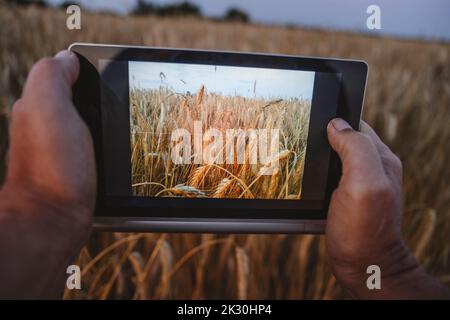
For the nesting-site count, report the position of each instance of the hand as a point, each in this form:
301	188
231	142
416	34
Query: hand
364	219
47	201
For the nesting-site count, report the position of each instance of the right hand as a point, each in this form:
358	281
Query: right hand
364	218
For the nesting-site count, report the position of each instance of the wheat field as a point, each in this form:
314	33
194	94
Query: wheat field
407	102
157	113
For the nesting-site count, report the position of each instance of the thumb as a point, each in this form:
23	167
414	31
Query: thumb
53	77
360	158
69	65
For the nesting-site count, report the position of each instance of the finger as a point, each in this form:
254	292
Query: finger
365	128
391	163
53	77
360	158
70	64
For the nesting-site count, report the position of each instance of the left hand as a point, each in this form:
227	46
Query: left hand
48	199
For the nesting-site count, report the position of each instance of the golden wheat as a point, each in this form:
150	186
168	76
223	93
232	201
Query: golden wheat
408	90
151	139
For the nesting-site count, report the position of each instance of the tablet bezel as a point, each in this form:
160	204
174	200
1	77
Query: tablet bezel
214	215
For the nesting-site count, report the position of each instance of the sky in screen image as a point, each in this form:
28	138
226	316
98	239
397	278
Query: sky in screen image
225	80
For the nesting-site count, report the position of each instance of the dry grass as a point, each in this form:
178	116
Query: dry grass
407	102
157	113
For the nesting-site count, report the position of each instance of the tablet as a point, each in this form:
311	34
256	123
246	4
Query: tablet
213	141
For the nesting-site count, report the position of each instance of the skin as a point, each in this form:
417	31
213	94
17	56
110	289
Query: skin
48	199
364	220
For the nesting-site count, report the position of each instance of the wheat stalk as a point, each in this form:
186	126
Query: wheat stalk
166	259
242	267
183	191
426	231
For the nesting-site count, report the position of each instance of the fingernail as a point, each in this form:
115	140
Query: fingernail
64	54
340	124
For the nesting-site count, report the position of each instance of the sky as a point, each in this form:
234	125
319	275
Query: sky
225	80
404	18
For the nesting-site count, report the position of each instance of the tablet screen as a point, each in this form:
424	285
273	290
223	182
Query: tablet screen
213	131
218	131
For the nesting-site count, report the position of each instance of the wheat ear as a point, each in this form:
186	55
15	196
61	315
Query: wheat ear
223	187
197	177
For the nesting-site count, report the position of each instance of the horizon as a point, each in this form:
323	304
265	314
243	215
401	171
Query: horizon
247	82
408	19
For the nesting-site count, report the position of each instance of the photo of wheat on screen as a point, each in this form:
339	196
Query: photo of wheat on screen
218	131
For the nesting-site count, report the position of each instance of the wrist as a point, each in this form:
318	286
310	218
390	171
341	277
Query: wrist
404	280
397	266
67	217
42	240
392	286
